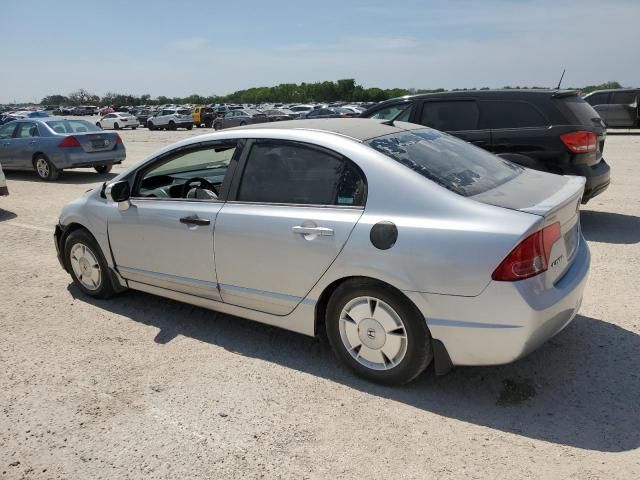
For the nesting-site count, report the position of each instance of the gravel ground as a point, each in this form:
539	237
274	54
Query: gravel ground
143	387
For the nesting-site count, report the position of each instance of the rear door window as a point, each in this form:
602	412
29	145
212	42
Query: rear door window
26	130
6	131
623	98
446	160
451	116
512	114
295	173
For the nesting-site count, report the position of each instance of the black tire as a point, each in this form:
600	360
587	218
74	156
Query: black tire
172	125
217	126
105	287
418	352
116	126
45	169
243	123
98	125
208	124
151	126
190	127
103	168
133	128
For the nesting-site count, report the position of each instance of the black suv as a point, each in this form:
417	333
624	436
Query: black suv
550	130
618	108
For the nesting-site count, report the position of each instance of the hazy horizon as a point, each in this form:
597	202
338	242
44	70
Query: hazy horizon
164	48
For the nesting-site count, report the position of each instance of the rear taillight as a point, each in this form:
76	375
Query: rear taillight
69	142
580	142
118	139
530	257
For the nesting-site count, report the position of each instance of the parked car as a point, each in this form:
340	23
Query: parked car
106	110
203	116
171	119
118	120
142	115
4	190
235	118
329	112
279	114
548	130
403	243
618	108
301	108
49	145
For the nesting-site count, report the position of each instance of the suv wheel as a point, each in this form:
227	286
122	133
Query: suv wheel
217	126
151	126
45	169
172	125
377	332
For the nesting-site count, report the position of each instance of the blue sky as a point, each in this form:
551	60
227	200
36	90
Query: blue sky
210	47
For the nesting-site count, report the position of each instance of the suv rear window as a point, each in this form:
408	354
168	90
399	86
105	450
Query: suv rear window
447	161
450	116
584	113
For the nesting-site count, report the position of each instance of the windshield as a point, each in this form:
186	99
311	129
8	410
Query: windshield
72	126
446	160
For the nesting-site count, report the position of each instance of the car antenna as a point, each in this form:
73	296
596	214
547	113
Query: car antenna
561	77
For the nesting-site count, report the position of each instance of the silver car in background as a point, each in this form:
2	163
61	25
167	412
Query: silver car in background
49	145
406	245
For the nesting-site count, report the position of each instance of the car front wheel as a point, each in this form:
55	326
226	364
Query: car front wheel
45	169
377	332
87	265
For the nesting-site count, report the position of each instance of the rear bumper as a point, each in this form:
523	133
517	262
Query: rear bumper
78	158
506	321
598	179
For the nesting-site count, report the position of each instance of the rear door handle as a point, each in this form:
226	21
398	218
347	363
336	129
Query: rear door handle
322	231
195	220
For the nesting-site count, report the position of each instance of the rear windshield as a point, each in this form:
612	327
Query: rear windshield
72	126
583	112
446	160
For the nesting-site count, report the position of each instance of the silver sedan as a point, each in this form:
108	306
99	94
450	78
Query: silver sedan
51	144
404	244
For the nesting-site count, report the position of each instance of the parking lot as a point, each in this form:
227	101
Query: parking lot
141	386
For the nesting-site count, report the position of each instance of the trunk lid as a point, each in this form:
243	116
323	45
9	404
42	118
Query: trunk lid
97	142
554	198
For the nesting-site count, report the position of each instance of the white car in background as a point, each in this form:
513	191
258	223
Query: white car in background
3	184
171	119
118	120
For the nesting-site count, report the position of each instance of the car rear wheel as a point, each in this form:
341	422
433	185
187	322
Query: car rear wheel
377	332
243	123
133	128
217	126
86	264
189	127
103	168
45	169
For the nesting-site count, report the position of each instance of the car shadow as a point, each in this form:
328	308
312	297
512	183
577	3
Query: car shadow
609	227
67	177
580	389
6	215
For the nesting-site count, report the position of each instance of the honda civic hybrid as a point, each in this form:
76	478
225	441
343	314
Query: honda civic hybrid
404	244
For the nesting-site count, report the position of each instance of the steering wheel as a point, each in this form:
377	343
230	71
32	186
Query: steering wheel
202	183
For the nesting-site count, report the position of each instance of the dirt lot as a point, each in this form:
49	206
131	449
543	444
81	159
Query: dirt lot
142	387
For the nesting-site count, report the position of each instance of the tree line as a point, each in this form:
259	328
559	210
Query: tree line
327	91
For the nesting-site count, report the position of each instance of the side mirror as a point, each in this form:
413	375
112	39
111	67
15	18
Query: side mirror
119	192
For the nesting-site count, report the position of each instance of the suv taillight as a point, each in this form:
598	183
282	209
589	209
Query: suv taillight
69	142
580	142
530	257
118	139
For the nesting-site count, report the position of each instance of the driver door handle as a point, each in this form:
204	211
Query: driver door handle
195	220
322	231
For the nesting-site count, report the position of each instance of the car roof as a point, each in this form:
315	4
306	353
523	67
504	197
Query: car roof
609	90
503	93
361	129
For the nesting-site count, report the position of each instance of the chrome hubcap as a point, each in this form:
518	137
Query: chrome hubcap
85	266
43	167
373	333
